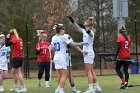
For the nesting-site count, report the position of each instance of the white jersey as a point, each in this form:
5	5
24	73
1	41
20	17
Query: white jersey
3	57
88	39
60	42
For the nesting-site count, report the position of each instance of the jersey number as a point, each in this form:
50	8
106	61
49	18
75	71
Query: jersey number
21	45
126	44
57	46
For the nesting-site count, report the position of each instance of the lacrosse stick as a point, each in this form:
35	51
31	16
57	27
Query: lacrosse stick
69	58
133	85
39	34
50	80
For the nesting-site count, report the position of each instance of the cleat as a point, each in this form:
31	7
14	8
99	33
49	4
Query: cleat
77	91
90	91
48	86
14	89
57	91
124	85
22	90
1	89
98	89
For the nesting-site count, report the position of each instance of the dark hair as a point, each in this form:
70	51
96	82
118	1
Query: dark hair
123	32
59	27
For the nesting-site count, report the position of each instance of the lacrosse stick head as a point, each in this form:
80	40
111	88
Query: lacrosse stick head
41	34
58	27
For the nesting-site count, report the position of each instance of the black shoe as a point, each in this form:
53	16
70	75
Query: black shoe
124	85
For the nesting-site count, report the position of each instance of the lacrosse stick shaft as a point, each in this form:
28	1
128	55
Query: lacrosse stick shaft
50	67
69	58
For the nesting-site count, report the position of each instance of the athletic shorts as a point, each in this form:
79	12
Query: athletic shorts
16	62
89	58
4	66
60	64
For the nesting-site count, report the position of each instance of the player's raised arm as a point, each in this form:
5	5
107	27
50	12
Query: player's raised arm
76	26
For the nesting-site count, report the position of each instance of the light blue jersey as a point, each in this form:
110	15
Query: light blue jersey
3	57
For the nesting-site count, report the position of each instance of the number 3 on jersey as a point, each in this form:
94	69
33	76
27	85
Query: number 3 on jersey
126	44
57	46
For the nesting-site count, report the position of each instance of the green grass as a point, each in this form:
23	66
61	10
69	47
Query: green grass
109	84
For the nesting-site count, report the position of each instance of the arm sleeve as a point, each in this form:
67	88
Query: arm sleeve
37	50
118	49
76	26
74	44
8	42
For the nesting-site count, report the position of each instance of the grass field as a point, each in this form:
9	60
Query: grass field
109	84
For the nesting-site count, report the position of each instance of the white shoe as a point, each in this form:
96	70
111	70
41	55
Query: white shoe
61	92
56	90
90	91
1	89
98	89
77	91
14	89
48	86
22	90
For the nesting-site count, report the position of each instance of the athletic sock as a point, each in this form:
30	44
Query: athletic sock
23	86
58	88
47	82
61	90
90	86
95	85
123	80
73	87
15	85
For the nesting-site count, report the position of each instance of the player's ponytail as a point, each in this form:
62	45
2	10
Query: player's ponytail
14	32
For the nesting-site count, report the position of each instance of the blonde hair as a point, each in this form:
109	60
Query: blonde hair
13	31
90	22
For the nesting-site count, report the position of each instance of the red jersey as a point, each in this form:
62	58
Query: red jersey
124	52
17	47
44	54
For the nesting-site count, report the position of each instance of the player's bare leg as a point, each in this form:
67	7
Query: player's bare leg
63	77
95	83
71	81
1	80
21	80
15	77
88	70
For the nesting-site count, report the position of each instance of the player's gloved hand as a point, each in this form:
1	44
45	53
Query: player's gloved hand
82	26
71	19
83	43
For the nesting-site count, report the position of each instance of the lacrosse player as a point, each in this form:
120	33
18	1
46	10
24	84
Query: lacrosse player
88	36
15	41
4	59
43	52
59	44
123	56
